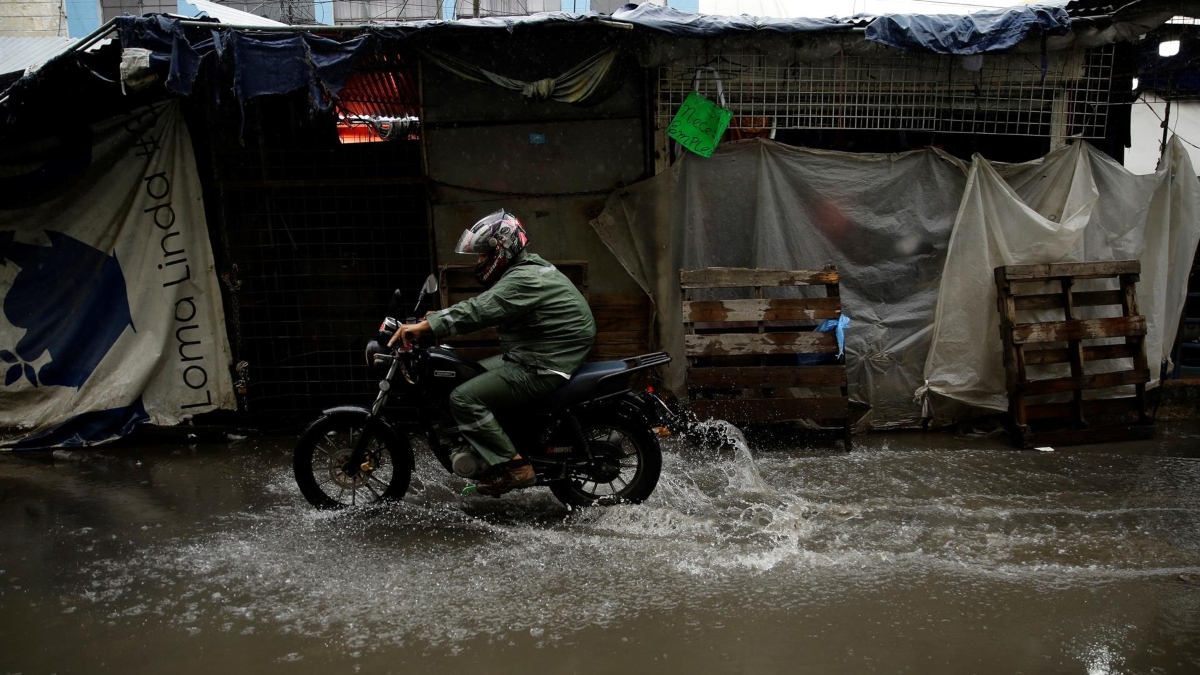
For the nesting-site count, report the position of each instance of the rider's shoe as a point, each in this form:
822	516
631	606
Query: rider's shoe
510	476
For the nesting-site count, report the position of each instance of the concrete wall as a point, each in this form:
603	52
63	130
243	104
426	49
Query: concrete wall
114	8
1145	131
33	18
491	139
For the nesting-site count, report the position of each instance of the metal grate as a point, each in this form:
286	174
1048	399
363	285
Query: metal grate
321	234
1004	94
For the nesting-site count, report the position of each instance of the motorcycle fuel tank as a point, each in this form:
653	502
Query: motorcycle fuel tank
445	370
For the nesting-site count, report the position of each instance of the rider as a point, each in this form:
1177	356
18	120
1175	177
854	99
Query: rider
546	331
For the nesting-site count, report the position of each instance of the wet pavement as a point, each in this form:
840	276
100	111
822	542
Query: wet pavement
922	553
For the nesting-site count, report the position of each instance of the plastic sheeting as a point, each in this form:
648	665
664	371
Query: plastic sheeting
1075	204
588	83
262	63
979	33
110	309
886	221
683	24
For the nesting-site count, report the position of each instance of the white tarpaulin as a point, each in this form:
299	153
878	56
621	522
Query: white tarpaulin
1076	204
885	221
111	309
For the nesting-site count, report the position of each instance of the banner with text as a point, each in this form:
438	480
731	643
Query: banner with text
111	310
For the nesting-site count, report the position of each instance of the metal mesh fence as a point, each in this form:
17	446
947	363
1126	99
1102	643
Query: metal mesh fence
363	11
320	233
1004	94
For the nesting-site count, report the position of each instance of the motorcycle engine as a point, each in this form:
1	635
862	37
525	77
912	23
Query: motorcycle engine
467	464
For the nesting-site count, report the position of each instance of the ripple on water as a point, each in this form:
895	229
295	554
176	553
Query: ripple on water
440	569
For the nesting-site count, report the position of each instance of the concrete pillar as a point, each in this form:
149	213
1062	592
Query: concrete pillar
33	18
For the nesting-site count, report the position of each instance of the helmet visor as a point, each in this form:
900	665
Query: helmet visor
477	238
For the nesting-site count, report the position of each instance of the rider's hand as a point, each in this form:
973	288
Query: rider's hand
408	333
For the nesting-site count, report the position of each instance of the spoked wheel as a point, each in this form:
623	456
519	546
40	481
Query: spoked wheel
324	469
625	468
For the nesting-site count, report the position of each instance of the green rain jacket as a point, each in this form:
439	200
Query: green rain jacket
544	322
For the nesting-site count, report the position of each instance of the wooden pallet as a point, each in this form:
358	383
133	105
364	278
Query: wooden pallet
622	319
742	352
1036	421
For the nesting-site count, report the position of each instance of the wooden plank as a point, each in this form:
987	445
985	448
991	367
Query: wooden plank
1079	329
1089	270
777	309
741	344
1055	301
1097	409
1097	381
600	302
737	277
1088	436
770	409
766	376
1042	357
622	337
635	322
613	352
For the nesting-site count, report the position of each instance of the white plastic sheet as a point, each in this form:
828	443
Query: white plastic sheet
885	221
1075	204
111	310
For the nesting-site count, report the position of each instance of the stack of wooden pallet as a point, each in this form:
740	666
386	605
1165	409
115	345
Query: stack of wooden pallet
1097	409
756	358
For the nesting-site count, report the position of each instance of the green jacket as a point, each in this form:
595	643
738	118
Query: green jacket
544	322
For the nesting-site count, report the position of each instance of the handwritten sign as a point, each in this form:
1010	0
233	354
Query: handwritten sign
699	124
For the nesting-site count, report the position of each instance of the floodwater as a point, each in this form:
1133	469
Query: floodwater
921	553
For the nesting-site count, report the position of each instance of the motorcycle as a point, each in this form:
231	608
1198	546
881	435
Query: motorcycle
593	441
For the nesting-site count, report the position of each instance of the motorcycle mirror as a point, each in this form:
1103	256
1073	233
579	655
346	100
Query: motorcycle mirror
396	302
431	286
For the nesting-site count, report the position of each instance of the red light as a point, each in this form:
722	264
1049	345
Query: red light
650	389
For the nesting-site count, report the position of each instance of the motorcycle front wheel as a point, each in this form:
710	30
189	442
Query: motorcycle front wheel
322	465
626	463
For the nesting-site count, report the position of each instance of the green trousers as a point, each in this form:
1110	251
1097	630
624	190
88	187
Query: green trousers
504	385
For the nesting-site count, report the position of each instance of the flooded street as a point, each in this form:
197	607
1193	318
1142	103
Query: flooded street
922	553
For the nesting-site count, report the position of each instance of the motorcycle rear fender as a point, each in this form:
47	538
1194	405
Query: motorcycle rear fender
631	403
379	425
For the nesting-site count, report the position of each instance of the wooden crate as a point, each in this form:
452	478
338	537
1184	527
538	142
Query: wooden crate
742	353
1036	421
622	319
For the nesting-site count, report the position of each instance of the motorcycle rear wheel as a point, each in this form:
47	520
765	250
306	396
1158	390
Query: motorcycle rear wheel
628	460
321	463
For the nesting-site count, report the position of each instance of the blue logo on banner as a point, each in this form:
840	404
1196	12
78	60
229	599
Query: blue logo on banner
72	301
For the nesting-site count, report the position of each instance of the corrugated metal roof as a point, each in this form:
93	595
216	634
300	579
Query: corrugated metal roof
229	15
19	53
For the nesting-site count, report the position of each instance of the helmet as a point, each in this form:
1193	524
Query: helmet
498	235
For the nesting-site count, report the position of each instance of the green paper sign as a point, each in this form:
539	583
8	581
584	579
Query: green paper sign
699	124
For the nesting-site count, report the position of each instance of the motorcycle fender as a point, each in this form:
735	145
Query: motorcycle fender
379	425
635	404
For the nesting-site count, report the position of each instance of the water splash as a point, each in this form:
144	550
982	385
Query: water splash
437	569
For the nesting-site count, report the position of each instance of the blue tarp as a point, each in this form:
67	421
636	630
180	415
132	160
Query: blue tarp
979	33
263	63
682	24
267	63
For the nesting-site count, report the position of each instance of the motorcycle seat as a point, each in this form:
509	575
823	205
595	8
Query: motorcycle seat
591	381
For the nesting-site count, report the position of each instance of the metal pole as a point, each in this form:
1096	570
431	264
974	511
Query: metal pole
1162	148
